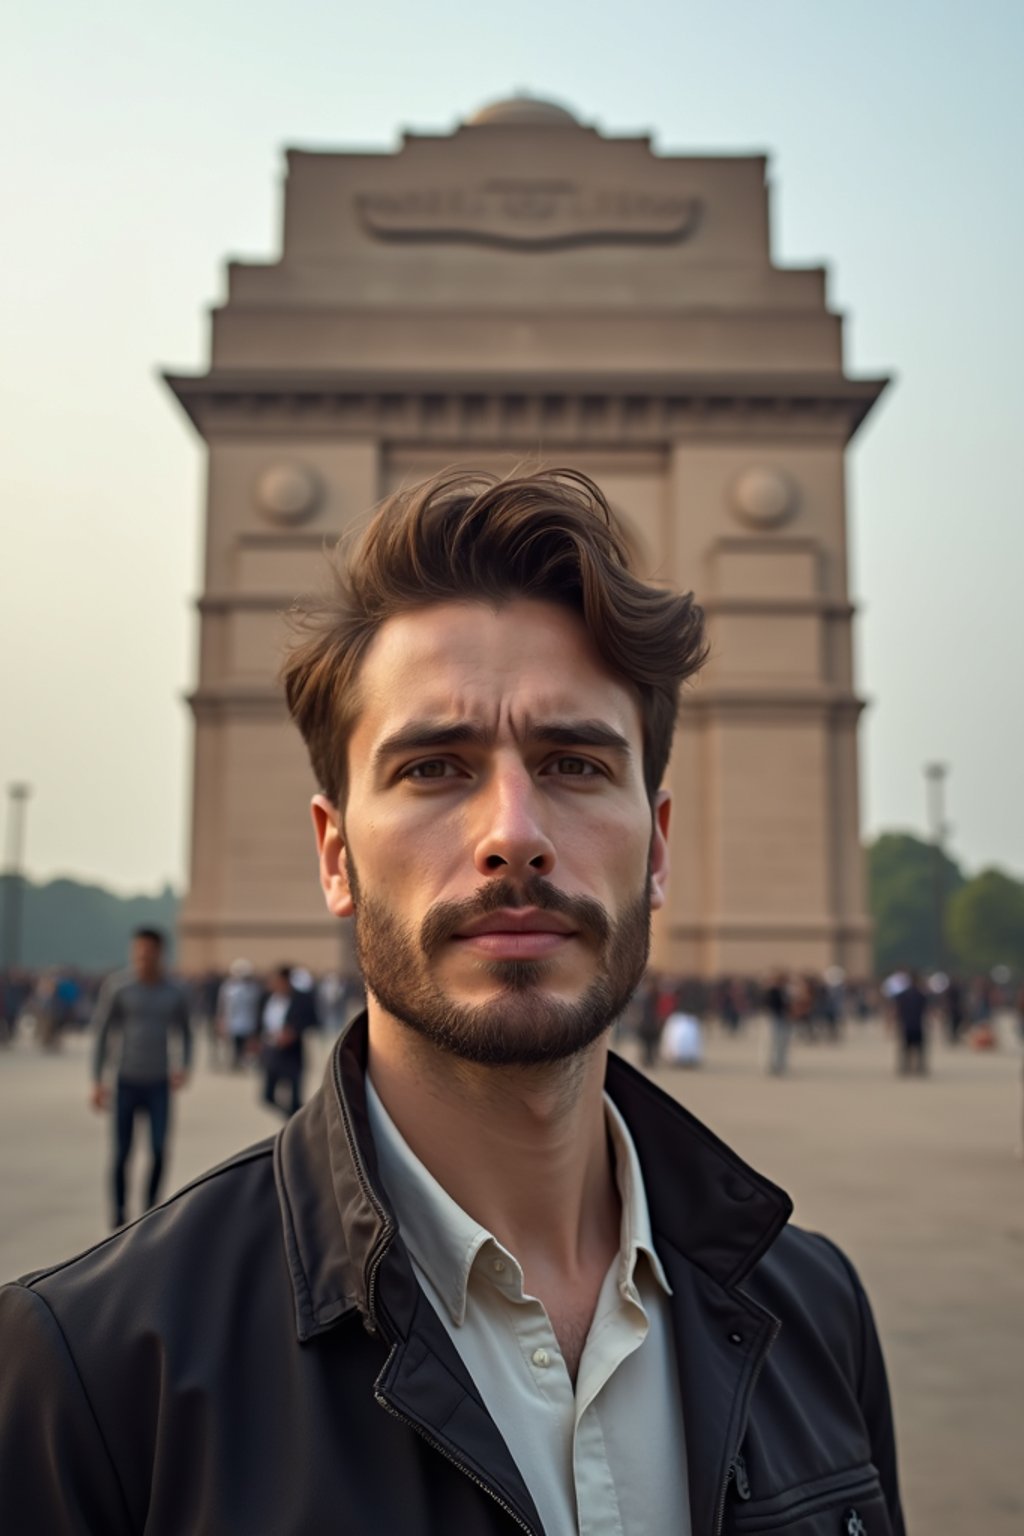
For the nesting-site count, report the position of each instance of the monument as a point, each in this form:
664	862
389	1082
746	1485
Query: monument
528	289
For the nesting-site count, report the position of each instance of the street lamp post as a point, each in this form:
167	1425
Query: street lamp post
17	795
935	778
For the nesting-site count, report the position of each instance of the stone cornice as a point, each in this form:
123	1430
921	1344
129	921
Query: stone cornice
705	702
238	924
218	701
829	608
245	602
774	927
528	410
281	602
772	703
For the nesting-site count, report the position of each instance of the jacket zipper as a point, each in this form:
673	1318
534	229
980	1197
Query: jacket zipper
738	1474
738	1459
443	1451
371	1281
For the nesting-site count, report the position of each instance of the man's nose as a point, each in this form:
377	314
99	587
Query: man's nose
512	839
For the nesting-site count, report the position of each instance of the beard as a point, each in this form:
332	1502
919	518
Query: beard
521	1026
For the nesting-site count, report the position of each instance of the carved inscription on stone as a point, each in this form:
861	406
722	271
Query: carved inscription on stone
530	215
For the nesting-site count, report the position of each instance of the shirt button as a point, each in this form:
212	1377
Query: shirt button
498	1265
540	1357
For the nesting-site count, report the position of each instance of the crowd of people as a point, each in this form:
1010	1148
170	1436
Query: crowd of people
670	1014
226	1008
239	1010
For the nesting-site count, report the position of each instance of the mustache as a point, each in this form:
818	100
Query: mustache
445	919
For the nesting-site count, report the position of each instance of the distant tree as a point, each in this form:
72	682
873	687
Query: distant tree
985	922
66	922
901	897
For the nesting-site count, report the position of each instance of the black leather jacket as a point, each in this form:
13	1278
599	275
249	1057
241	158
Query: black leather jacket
255	1357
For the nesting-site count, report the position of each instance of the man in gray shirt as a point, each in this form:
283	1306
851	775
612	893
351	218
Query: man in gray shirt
141	1007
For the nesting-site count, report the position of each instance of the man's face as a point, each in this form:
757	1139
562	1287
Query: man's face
498	849
145	959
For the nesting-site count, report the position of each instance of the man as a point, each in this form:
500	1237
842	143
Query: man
490	1279
776	1002
650	1022
286	1011
954	1008
332	1002
910	1005
682	1041
141	1008
238	1010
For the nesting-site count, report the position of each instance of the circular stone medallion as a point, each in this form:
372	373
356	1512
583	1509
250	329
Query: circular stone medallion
287	493
764	498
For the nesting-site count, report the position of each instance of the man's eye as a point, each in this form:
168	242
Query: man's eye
432	768
574	767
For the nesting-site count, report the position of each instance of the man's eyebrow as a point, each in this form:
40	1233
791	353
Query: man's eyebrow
423	735
578	733
420	735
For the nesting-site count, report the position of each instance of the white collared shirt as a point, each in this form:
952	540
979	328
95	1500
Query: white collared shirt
605	1459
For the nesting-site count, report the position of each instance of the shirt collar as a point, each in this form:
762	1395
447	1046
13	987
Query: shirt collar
445	1242
636	1236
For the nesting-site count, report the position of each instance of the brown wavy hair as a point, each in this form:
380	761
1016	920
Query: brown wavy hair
548	535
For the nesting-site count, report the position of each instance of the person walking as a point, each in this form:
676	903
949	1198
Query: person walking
776	1002
238	1010
332	1003
954	1006
285	1014
650	1023
142	1008
911	1006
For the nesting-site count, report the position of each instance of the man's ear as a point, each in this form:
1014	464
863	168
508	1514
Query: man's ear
330	847
659	849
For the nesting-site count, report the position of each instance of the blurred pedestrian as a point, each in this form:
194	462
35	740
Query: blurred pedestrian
205	994
910	1006
777	1005
953	1000
802	994
238	1010
42	1009
140	1008
66	993
833	994
332	1002
727	1004
286	1013
650	1022
15	990
682	1042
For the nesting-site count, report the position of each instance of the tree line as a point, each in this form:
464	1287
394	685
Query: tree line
911	881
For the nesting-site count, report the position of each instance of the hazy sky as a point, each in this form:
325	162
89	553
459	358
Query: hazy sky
143	146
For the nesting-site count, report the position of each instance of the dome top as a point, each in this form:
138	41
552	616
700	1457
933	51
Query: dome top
523	112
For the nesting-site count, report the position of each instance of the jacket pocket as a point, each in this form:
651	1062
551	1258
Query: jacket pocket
848	1503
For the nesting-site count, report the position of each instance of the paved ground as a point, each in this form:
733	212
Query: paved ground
921	1181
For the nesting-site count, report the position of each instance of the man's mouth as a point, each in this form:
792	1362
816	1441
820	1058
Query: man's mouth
516	933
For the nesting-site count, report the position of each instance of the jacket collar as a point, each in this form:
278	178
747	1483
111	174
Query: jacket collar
450	1247
705	1203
